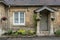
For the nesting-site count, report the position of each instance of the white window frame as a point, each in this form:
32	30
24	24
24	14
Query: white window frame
19	19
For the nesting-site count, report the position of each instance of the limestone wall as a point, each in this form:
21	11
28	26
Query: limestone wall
29	11
2	13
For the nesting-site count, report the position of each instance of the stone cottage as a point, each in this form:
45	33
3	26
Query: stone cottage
18	14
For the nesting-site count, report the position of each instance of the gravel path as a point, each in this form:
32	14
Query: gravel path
34	38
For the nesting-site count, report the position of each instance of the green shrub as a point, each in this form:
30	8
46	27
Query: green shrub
9	32
5	33
57	32
22	32
31	32
16	34
35	21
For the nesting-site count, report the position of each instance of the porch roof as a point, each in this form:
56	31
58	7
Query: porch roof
45	7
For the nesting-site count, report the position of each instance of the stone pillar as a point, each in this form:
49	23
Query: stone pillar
52	23
38	24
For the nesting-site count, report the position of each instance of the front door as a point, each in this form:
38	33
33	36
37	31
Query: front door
45	22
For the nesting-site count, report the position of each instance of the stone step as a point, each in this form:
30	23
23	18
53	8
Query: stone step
44	33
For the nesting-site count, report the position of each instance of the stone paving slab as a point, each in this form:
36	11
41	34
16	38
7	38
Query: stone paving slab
31	38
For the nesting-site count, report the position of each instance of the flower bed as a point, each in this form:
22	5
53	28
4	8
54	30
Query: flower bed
20	33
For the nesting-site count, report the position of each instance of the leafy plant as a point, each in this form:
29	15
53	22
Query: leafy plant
5	33
35	21
57	33
22	32
9	32
31	32
16	34
34	18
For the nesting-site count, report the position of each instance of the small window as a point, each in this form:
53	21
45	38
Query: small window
19	18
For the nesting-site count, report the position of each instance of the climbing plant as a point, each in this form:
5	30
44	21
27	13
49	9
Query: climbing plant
35	21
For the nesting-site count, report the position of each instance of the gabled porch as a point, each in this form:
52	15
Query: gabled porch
45	23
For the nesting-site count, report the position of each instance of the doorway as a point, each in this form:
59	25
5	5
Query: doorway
45	22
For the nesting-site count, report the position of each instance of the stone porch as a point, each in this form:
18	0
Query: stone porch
51	31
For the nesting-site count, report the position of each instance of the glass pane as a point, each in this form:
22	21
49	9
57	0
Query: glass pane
21	20
16	17
21	17
21	14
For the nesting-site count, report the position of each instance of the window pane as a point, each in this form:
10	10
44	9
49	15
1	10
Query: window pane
21	20
21	14
16	17
21	17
